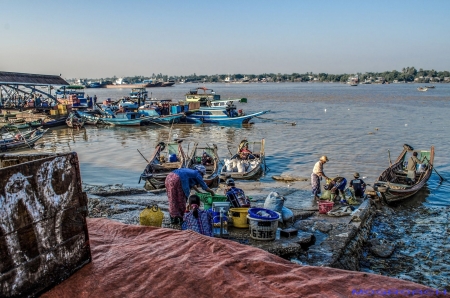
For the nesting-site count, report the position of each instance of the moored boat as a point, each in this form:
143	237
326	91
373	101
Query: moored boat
210	161
220	116
248	163
393	185
139	93
126	119
20	141
54	122
166	158
75	121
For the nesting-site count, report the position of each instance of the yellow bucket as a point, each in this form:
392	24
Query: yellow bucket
239	216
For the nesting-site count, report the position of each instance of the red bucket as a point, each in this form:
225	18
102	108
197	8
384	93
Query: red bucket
324	207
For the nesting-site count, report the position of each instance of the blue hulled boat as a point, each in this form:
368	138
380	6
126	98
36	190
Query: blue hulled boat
220	116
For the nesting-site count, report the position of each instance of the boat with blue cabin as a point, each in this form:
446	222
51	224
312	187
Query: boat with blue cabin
139	93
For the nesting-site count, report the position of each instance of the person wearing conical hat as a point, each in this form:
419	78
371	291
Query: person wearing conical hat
317	175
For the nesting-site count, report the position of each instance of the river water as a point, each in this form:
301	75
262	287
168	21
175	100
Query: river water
354	126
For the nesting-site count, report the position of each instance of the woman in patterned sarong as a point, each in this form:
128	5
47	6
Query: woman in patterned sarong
178	185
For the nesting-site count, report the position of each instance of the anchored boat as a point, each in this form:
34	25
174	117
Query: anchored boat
220	116
392	184
248	163
19	141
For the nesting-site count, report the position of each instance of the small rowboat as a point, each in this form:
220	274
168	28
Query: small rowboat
74	121
20	141
422	89
247	164
392	183
171	156
166	158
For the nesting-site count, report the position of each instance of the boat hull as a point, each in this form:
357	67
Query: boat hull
222	120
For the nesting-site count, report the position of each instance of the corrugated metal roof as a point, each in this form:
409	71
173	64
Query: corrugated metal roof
30	79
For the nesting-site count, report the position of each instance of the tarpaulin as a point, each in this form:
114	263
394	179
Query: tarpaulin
139	261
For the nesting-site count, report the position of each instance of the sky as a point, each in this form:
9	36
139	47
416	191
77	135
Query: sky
96	39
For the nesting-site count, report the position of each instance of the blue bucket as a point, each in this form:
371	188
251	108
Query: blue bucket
253	213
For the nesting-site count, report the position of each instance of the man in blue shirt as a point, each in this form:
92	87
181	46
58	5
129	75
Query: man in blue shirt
178	185
357	185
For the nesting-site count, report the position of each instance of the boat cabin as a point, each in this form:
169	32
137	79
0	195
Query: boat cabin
139	92
202	94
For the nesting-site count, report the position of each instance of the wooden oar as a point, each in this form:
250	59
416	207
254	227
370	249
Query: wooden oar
442	178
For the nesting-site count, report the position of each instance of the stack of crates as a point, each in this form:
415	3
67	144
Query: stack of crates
62	109
54	111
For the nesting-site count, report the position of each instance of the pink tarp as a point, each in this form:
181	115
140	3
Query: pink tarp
137	261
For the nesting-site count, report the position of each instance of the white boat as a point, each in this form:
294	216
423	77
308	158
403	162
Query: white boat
422	89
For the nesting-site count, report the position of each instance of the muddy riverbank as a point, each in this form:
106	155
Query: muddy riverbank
380	239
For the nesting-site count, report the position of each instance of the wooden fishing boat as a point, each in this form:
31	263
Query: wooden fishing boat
171	156
166	158
55	122
248	163
211	177
19	141
75	121
25	125
125	119
392	183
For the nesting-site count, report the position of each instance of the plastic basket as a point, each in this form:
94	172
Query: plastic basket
207	199
253	213
262	229
239	216
324	207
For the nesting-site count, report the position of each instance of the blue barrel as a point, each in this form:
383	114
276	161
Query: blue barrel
178	109
174	109
186	108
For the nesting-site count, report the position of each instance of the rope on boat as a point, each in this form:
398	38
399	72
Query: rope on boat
274	120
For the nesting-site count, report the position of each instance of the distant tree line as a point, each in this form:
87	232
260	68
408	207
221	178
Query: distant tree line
407	74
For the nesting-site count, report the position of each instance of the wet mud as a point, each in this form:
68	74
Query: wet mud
411	244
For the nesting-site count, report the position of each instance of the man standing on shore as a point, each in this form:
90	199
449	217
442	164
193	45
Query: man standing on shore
317	175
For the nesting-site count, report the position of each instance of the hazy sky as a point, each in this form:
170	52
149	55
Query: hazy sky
99	38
